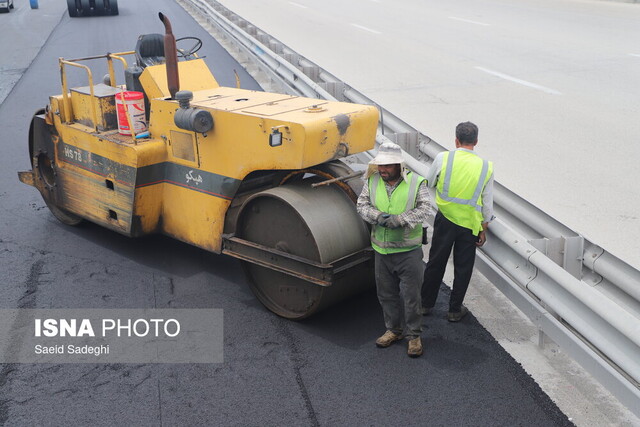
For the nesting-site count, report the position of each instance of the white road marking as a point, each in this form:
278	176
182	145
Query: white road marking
519	81
469	21
366	29
635	54
299	5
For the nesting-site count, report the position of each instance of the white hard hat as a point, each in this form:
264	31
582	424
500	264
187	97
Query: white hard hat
388	154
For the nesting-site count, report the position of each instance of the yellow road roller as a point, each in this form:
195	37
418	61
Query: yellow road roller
250	174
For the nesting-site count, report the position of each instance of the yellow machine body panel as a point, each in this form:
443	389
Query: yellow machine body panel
98	172
313	131
205	169
154	78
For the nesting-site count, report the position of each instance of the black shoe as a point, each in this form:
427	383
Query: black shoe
426	311
456	317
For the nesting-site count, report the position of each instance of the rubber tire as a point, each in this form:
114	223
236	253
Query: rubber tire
65	217
105	8
73	10
113	7
60	214
85	8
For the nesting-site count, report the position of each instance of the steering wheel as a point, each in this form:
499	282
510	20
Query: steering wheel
189	53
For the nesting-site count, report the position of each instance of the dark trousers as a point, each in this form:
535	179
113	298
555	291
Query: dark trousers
398	281
447	235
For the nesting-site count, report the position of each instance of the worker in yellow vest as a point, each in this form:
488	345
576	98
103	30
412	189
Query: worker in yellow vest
396	202
464	196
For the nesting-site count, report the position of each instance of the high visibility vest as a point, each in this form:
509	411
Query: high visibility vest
459	189
387	240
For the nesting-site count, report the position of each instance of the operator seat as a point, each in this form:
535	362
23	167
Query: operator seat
150	50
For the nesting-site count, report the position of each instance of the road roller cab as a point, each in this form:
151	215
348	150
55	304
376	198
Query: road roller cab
225	169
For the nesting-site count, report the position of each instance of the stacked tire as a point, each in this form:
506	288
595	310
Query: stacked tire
92	7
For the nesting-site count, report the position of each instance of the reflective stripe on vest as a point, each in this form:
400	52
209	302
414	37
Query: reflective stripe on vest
473	201
385	240
406	243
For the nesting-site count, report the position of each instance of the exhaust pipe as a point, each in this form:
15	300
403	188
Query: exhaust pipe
171	57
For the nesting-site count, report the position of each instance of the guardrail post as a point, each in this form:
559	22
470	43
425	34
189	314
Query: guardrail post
573	255
409	142
567	252
312	72
336	89
541	336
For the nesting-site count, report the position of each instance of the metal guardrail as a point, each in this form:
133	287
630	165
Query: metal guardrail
581	296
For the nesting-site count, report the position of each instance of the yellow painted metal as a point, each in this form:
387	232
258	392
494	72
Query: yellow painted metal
118	56
88	161
154	78
178	182
313	131
26	178
183	148
99	100
65	93
69	110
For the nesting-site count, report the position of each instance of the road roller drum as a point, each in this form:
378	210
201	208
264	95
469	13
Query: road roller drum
318	224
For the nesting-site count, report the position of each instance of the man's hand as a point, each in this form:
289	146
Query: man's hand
393	222
382	219
482	237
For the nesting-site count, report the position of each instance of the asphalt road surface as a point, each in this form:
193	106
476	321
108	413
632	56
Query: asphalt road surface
554	86
323	371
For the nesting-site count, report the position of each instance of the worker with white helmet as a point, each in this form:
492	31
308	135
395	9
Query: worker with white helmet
396	202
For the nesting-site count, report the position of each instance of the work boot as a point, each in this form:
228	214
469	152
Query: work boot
388	338
456	317
415	347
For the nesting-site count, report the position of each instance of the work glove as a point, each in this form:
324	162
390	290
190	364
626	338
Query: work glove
382	219
393	222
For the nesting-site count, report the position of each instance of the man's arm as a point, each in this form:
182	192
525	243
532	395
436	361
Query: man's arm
487	211
487	202
364	207
434	170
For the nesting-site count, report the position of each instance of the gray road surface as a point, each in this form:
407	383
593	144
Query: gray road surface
324	371
554	86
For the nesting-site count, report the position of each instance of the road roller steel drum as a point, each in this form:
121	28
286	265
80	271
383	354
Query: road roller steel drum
316	224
